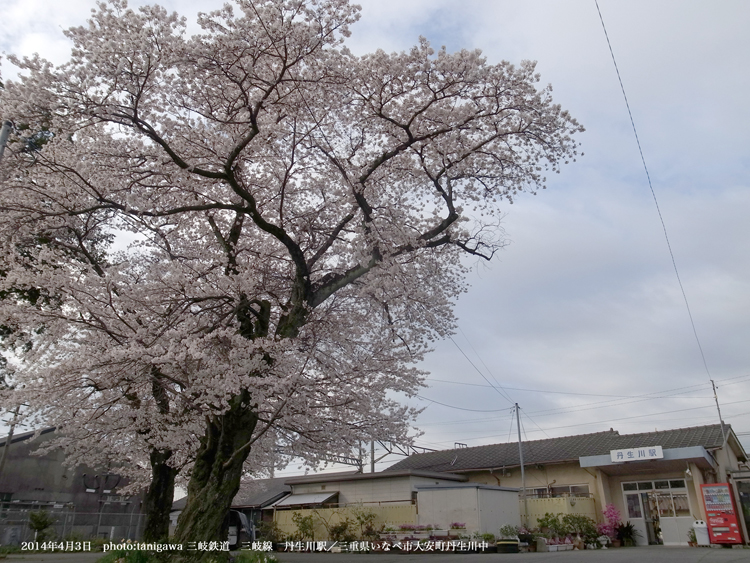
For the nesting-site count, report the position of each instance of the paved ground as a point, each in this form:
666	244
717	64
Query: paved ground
656	554
621	555
55	557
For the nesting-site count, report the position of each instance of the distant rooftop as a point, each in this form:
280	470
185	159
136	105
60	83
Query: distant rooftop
560	450
356	476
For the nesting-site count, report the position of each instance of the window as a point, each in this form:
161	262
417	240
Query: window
664	504
681	507
579	490
634	506
559	491
663	485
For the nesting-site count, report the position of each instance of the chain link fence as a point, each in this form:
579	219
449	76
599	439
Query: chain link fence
67	523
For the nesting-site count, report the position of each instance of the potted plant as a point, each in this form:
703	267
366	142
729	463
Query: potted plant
692	540
611	523
508	542
627	533
582	529
527	537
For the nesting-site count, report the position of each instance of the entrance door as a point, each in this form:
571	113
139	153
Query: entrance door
635	517
643	513
659	510
743	488
650	503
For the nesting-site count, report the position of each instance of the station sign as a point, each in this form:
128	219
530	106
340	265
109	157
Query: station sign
636	454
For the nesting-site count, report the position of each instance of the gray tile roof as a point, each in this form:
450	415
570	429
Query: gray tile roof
260	492
556	450
252	494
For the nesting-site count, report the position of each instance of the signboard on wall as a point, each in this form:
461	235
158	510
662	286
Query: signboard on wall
636	454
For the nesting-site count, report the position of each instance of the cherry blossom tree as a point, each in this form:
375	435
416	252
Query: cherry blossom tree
299	216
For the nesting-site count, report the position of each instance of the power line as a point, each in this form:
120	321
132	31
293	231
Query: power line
535	424
481	360
502	393
664	394
653	193
457	408
638	416
547	392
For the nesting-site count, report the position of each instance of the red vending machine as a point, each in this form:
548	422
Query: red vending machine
721	514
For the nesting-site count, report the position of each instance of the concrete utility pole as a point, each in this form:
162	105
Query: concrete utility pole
523	473
9	439
4	134
723	432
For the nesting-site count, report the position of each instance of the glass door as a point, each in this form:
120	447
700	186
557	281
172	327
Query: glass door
635	517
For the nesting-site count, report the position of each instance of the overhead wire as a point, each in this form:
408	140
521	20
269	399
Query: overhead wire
664	394
653	193
484	364
457	408
591	406
542	391
502	393
621	418
535	424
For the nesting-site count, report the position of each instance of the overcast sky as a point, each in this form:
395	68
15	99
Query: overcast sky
581	319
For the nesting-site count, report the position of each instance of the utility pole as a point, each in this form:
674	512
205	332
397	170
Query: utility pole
723	432
4	134
523	473
372	456
9	439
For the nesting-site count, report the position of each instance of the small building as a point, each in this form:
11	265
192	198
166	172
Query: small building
84	502
397	498
481	508
653	478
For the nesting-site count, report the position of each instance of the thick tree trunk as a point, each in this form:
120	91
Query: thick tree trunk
159	497
216	474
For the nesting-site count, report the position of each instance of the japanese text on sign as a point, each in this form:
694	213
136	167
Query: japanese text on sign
636	454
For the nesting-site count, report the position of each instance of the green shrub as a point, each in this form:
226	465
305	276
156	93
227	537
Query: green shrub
270	531
583	526
40	521
552	525
305	527
366	520
255	557
130	556
341	532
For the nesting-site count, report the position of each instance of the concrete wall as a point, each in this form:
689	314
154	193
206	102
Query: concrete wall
538	476
46	479
538	507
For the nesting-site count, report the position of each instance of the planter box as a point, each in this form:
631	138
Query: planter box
507	546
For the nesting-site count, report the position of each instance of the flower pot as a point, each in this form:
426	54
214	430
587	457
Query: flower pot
507	546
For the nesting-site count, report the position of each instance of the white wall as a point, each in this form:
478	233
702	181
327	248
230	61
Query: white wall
441	507
482	510
497	509
384	490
